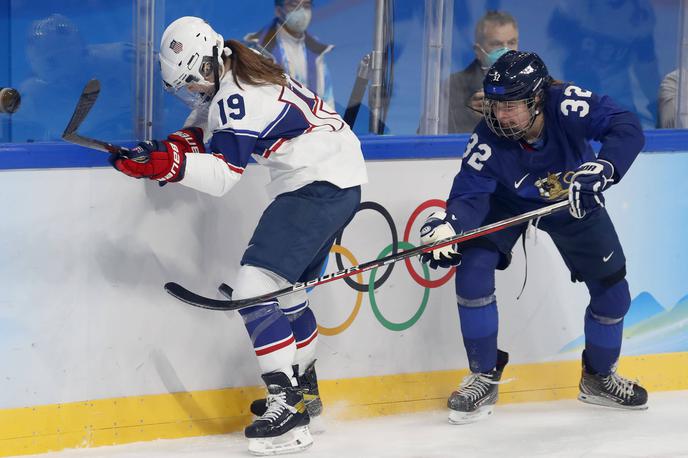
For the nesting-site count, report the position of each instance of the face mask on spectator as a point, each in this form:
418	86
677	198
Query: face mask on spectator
298	19
492	56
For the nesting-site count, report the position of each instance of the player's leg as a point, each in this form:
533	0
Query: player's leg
305	330
593	253
290	238
341	206
275	258
600	384
477	304
283	427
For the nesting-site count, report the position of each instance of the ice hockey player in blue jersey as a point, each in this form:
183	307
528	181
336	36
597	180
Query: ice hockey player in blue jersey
245	106
532	148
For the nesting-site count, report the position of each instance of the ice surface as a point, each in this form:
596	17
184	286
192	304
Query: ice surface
549	429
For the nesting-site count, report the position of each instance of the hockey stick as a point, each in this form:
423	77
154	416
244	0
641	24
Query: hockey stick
360	85
196	300
86	101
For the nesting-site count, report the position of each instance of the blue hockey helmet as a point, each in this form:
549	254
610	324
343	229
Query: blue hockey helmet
516	76
519	77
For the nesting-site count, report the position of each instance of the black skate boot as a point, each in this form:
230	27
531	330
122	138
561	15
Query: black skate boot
308	382
611	390
283	427
477	395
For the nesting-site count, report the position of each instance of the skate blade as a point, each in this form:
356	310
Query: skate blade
293	441
604	402
461	418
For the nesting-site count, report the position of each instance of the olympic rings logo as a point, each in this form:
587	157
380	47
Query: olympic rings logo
356	282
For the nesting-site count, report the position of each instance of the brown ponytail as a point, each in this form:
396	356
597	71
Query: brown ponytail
253	68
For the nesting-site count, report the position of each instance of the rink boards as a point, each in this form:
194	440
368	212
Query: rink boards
96	353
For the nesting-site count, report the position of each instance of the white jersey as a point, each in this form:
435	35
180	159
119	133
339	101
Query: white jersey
288	129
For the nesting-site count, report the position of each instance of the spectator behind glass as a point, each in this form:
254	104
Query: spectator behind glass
668	93
604	45
297	51
61	63
495	34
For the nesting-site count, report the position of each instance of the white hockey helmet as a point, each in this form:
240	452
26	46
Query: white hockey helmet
190	52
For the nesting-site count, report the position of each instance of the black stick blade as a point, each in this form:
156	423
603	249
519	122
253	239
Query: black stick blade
86	101
191	298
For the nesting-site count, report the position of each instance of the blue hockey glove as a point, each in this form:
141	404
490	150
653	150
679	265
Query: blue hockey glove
587	184
436	227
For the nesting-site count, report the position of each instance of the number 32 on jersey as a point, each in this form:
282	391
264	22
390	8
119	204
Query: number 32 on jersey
569	106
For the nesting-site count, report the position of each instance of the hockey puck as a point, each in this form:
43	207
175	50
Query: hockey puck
9	100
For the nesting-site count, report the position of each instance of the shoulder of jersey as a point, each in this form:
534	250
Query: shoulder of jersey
257	104
569	102
555	92
558	92
484	133
248	92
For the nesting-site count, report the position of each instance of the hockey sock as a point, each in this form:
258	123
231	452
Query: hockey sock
305	330
604	325
271	335
479	330
475	285
268	327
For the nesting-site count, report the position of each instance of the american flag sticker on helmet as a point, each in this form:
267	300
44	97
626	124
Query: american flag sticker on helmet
176	46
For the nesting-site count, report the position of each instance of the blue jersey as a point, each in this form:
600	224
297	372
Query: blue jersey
529	177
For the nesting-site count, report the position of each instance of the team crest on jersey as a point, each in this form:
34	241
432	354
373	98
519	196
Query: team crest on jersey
552	186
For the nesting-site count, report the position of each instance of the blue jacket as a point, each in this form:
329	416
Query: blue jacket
318	74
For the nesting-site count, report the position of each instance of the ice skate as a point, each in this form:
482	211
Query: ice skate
477	395
611	390
308	383
283	427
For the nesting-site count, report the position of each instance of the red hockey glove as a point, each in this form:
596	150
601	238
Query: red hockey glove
165	160
190	139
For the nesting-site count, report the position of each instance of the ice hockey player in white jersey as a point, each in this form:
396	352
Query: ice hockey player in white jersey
245	106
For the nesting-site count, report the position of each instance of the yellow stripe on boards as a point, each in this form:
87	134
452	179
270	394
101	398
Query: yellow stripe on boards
95	423
124	420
